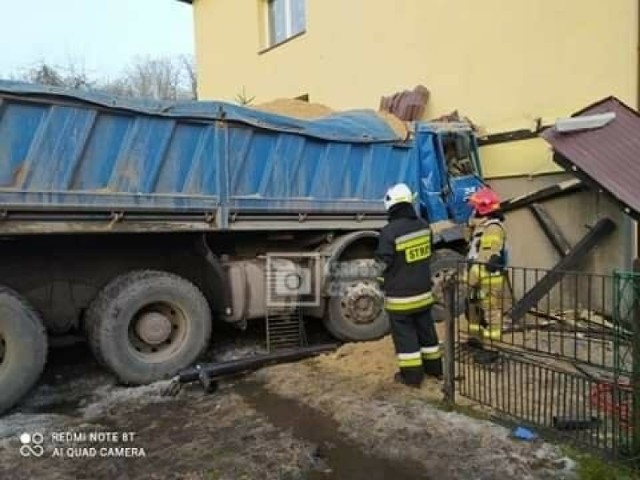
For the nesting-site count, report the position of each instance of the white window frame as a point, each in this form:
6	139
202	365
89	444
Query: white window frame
288	23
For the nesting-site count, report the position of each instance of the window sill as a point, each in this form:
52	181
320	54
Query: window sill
276	45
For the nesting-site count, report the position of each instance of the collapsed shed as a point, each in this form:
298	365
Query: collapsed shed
592	229
605	155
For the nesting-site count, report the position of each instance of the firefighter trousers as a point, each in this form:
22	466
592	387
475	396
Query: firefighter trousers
486	313
416	344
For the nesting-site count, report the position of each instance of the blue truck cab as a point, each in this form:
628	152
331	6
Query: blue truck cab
449	170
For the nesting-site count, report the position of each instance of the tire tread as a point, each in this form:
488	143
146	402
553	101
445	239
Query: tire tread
99	318
32	372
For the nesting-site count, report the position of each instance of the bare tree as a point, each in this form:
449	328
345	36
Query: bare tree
157	78
46	75
162	78
119	87
189	68
72	76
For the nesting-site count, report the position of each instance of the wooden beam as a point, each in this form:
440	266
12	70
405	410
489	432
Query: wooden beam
600	230
550	229
543	194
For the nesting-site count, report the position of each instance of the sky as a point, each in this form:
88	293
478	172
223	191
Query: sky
102	35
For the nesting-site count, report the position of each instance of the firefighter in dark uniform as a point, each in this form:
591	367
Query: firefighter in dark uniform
404	248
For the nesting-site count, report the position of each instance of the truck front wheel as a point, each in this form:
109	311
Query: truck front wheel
147	325
356	304
23	348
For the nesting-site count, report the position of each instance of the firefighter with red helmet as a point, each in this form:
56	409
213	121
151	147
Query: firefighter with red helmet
404	249
489	295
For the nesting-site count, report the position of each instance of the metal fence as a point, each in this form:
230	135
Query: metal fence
565	364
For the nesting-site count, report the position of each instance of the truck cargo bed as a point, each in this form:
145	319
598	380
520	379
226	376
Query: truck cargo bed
73	161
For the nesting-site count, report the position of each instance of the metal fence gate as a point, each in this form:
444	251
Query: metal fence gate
567	366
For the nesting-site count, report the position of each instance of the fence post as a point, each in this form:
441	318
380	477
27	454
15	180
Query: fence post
449	387
635	348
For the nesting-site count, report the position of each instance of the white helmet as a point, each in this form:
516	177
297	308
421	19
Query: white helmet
397	194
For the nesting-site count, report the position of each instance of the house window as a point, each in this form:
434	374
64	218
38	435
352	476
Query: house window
287	18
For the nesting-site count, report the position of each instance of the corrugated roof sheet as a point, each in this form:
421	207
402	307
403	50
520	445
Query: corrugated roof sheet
609	156
357	126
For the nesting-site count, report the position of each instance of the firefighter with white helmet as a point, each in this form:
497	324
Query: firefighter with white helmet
489	294
404	248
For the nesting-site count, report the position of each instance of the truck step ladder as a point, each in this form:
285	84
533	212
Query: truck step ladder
284	323
285	329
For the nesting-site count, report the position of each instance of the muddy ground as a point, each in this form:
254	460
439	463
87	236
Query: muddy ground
332	417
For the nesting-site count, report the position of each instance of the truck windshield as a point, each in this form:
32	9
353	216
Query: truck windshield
457	148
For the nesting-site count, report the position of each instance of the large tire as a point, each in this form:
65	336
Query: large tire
109	291
148	325
444	262
341	320
23	348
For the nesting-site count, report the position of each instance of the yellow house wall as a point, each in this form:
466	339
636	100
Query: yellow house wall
503	63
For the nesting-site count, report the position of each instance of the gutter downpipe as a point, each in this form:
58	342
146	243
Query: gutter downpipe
635	249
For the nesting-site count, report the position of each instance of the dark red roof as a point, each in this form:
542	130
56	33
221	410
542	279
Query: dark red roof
607	157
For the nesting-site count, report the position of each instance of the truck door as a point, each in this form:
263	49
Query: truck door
462	172
433	204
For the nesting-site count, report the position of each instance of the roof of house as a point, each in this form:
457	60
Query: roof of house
607	157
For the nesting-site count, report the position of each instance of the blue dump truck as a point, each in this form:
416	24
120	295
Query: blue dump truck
140	225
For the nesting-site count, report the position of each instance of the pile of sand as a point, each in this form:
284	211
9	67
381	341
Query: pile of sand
398	126
295	108
310	111
374	361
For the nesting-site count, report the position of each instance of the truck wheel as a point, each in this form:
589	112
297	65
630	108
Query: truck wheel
23	348
356	305
109	291
443	263
147	325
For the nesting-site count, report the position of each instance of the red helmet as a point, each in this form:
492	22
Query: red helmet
484	201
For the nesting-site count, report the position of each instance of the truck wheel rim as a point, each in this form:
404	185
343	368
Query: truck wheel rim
361	303
157	331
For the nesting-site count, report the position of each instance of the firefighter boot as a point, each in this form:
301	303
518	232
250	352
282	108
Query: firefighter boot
400	378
